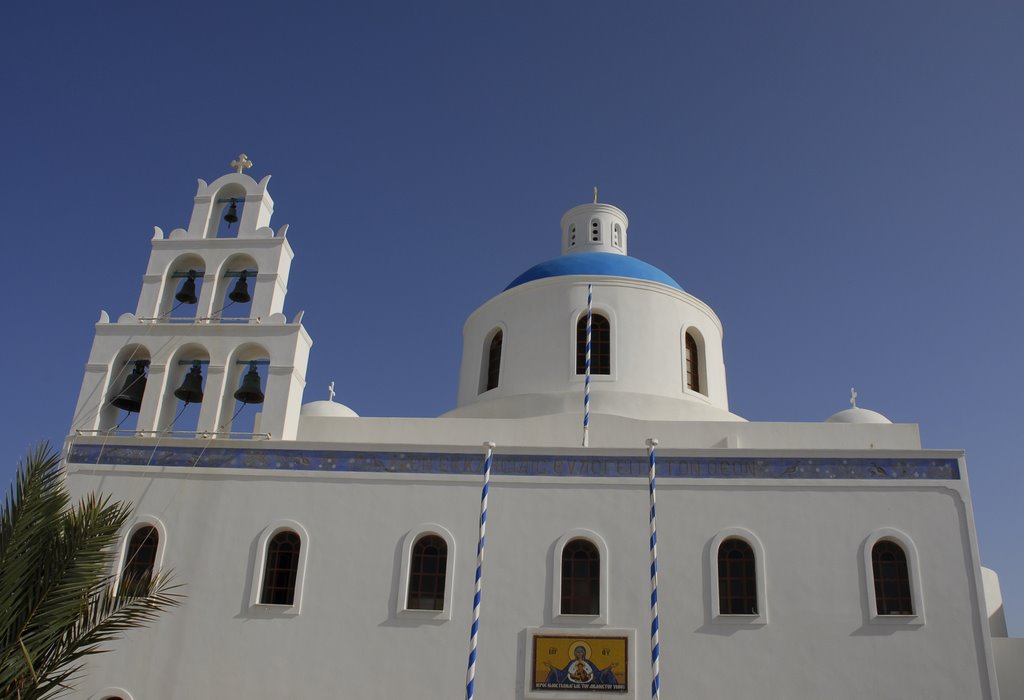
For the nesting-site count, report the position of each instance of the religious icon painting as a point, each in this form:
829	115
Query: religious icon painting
580	663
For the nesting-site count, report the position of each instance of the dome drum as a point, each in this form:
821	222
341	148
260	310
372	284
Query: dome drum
646	345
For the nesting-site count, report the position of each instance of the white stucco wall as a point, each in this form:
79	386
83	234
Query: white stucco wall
1009	654
349	640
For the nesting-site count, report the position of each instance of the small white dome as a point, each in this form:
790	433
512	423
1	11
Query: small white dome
327	409
857	415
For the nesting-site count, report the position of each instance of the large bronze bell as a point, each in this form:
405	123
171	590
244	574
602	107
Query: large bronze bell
232	216
130	397
240	294
250	391
187	293
191	389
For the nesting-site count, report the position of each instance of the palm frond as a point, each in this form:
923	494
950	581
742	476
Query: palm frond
57	597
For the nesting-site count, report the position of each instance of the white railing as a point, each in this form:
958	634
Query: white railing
208	434
199	319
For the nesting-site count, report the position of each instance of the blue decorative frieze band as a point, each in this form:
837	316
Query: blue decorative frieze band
517	465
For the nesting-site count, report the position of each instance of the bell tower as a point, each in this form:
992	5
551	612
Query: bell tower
208	351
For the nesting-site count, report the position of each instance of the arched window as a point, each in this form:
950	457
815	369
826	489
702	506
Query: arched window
281	569
600	345
427	574
617	236
139	560
692	363
891	578
581	578
493	361
737	578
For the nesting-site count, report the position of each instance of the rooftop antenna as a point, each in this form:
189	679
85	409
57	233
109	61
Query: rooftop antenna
853	397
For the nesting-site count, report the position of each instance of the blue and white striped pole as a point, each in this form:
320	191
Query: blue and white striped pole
475	629
586	381
655	646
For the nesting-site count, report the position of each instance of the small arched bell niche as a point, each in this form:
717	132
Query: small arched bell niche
213	215
127	381
235	289
183	285
226	211
181	402
245	381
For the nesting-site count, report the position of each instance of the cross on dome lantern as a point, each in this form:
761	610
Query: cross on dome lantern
241	163
853	397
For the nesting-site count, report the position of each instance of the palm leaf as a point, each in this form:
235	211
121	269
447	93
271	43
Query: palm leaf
57	598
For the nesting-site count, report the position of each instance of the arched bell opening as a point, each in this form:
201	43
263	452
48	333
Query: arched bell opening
245	389
126	384
236	288
226	212
184	390
183	284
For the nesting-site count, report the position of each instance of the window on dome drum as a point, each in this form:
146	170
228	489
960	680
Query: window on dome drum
892	579
595	231
139	560
427	574
572	235
600	345
692	364
737	578
494	361
281	569
616	235
581	578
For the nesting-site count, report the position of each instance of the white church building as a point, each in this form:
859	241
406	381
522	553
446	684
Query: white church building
328	555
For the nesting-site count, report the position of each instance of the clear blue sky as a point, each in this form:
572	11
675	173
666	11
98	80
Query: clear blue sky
842	182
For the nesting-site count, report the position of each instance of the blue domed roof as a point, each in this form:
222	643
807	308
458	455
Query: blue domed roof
603	264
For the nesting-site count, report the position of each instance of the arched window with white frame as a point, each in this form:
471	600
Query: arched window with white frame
281	569
426	573
580	593
736	570
282	551
892	578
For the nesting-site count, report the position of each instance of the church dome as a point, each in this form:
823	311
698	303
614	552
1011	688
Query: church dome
857	415
327	409
656	351
603	264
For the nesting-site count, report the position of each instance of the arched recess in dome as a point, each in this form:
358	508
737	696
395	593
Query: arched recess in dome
600	344
695	375
491	360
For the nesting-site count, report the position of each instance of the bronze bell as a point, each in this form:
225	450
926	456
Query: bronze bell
191	389
130	397
240	293
232	216
250	391
187	293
